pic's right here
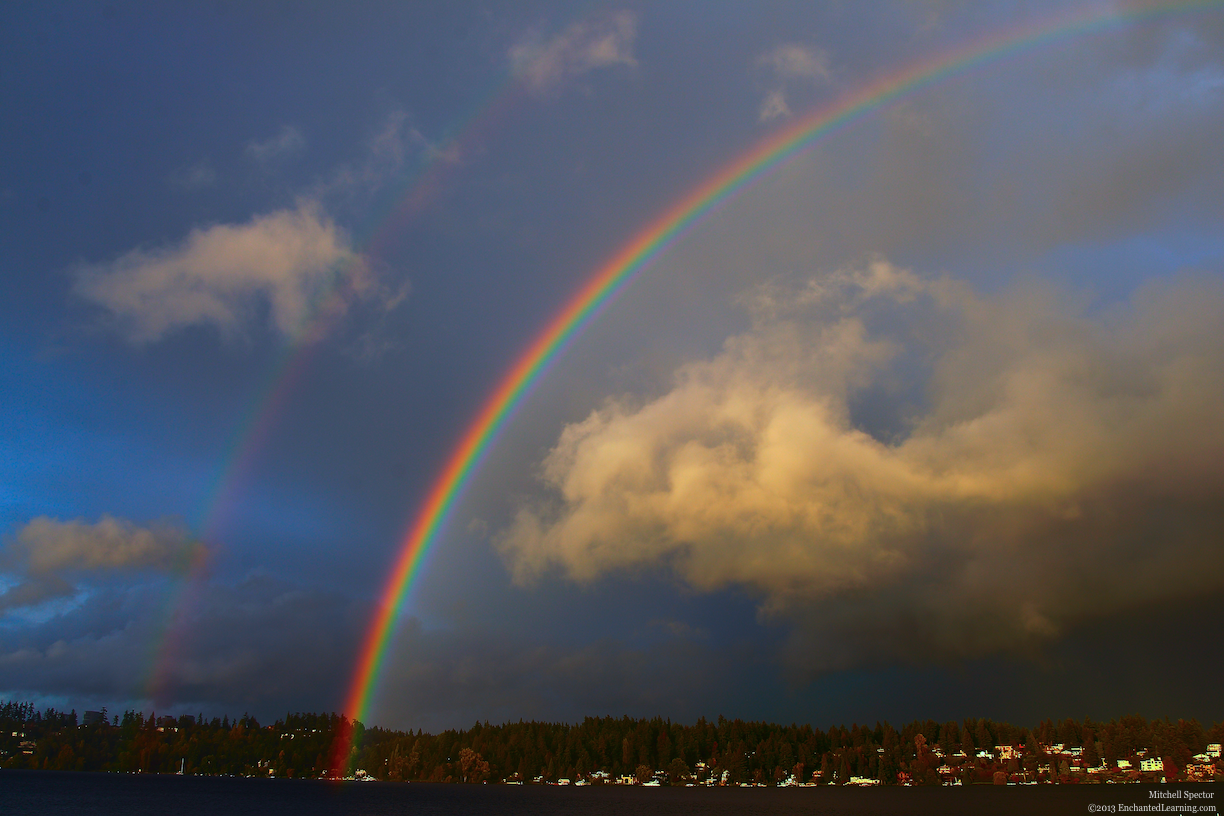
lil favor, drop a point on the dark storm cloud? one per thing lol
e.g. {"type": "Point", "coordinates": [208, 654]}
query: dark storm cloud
{"type": "Point", "coordinates": [260, 645]}
{"type": "Point", "coordinates": [264, 642]}
{"type": "Point", "coordinates": [33, 591]}
{"type": "Point", "coordinates": [266, 646]}
{"type": "Point", "coordinates": [443, 677]}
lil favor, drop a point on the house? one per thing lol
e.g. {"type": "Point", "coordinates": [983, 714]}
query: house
{"type": "Point", "coordinates": [1200, 772]}
{"type": "Point", "coordinates": [1151, 764]}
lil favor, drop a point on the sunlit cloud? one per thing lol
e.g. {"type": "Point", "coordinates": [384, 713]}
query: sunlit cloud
{"type": "Point", "coordinates": [918, 449]}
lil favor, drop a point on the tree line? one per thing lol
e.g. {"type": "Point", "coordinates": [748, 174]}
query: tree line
{"type": "Point", "coordinates": [300, 745]}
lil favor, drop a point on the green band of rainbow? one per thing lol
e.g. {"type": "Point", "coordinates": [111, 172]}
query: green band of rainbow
{"type": "Point", "coordinates": [602, 287]}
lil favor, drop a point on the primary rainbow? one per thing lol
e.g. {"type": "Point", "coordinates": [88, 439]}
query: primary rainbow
{"type": "Point", "coordinates": [609, 280]}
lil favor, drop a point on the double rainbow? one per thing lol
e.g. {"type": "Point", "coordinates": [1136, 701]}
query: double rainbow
{"type": "Point", "coordinates": [620, 271]}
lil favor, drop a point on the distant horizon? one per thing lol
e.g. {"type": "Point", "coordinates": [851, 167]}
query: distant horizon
{"type": "Point", "coordinates": [233, 717]}
{"type": "Point", "coordinates": [622, 751]}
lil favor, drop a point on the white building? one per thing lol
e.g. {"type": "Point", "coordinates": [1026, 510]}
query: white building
{"type": "Point", "coordinates": [1151, 765]}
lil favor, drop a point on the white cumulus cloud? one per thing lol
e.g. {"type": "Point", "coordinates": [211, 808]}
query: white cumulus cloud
{"type": "Point", "coordinates": [219, 275]}
{"type": "Point", "coordinates": [774, 105]}
{"type": "Point", "coordinates": [794, 61]}
{"type": "Point", "coordinates": [791, 64]}
{"type": "Point", "coordinates": [542, 65]}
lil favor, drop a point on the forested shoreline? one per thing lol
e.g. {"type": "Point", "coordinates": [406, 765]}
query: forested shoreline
{"type": "Point", "coordinates": [609, 749]}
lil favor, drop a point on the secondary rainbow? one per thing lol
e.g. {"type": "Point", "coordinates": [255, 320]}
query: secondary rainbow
{"type": "Point", "coordinates": [610, 279]}
{"type": "Point", "coordinates": [326, 311]}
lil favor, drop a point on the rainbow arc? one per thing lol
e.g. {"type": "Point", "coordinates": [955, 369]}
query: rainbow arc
{"type": "Point", "coordinates": [608, 281]}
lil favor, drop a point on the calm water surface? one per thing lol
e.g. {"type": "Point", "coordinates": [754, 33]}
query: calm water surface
{"type": "Point", "coordinates": [49, 793]}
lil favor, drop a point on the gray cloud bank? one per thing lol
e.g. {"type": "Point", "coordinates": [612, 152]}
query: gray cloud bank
{"type": "Point", "coordinates": [47, 553]}
{"type": "Point", "coordinates": [907, 468]}
{"type": "Point", "coordinates": [46, 545]}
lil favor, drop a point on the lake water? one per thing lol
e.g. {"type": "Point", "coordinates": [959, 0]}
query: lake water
{"type": "Point", "coordinates": [50, 793]}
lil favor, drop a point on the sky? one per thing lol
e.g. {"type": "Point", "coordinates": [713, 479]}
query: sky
{"type": "Point", "coordinates": [924, 422]}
